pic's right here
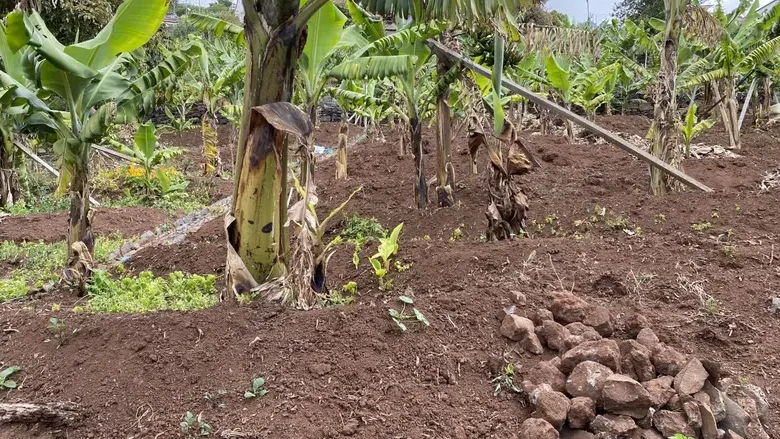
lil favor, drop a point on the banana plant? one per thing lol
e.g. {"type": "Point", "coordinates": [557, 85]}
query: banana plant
{"type": "Point", "coordinates": [87, 78]}
{"type": "Point", "coordinates": [401, 56]}
{"type": "Point", "coordinates": [742, 50]}
{"type": "Point", "coordinates": [325, 30]}
{"type": "Point", "coordinates": [691, 127]}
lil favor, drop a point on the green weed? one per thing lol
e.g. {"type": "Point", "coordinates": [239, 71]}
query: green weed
{"type": "Point", "coordinates": [457, 234]}
{"type": "Point", "coordinates": [359, 230]}
{"type": "Point", "coordinates": [6, 373]}
{"type": "Point", "coordinates": [344, 296]}
{"type": "Point", "coordinates": [258, 389]}
{"type": "Point", "coordinates": [505, 381]}
{"type": "Point", "coordinates": [193, 426]}
{"type": "Point", "coordinates": [402, 318]}
{"type": "Point", "coordinates": [702, 227]}
{"type": "Point", "coordinates": [147, 293]}
{"type": "Point", "coordinates": [40, 263]}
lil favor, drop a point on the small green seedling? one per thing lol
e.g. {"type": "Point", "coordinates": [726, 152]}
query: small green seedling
{"type": "Point", "coordinates": [680, 436]}
{"type": "Point", "coordinates": [193, 426]}
{"type": "Point", "coordinates": [457, 234]}
{"type": "Point", "coordinates": [401, 318]}
{"type": "Point", "coordinates": [701, 227]}
{"type": "Point", "coordinates": [5, 383]}
{"type": "Point", "coordinates": [344, 296]}
{"type": "Point", "coordinates": [388, 247]}
{"type": "Point", "coordinates": [257, 389]}
{"type": "Point", "coordinates": [506, 380]}
{"type": "Point", "coordinates": [691, 127]}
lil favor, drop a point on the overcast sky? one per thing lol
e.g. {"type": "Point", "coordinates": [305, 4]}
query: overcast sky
{"type": "Point", "coordinates": [600, 10]}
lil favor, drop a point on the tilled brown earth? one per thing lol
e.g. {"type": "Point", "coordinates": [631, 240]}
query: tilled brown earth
{"type": "Point", "coordinates": [700, 267]}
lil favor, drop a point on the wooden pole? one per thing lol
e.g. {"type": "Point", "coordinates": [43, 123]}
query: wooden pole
{"type": "Point", "coordinates": [747, 103]}
{"type": "Point", "coordinates": [543, 103]}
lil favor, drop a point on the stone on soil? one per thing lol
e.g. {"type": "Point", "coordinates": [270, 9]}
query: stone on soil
{"type": "Point", "coordinates": [691, 378]}
{"type": "Point", "coordinates": [754, 393]}
{"type": "Point", "coordinates": [692, 413]}
{"type": "Point", "coordinates": [650, 433]}
{"type": "Point", "coordinates": [582, 412]}
{"type": "Point", "coordinates": [667, 360]}
{"type": "Point", "coordinates": [535, 428]}
{"type": "Point", "coordinates": [603, 351]}
{"type": "Point", "coordinates": [553, 407]}
{"type": "Point", "coordinates": [554, 335]}
{"type": "Point", "coordinates": [568, 308]}
{"type": "Point", "coordinates": [623, 396]}
{"type": "Point", "coordinates": [587, 333]}
{"type": "Point", "coordinates": [670, 423]}
{"type": "Point", "coordinates": [613, 426]}
{"type": "Point", "coordinates": [587, 380]}
{"type": "Point", "coordinates": [635, 361]}
{"type": "Point", "coordinates": [709, 426]}
{"type": "Point", "coordinates": [598, 318]}
{"type": "Point", "coordinates": [516, 328]}
{"type": "Point", "coordinates": [542, 314]}
{"type": "Point", "coordinates": [635, 323]}
{"type": "Point", "coordinates": [568, 433]}
{"type": "Point", "coordinates": [546, 372]}
{"type": "Point", "coordinates": [647, 338]}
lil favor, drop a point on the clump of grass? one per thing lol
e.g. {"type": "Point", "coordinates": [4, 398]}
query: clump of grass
{"type": "Point", "coordinates": [147, 293]}
{"type": "Point", "coordinates": [40, 263]}
{"type": "Point", "coordinates": [359, 230]}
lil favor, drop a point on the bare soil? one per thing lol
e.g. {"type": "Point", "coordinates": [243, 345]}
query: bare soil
{"type": "Point", "coordinates": [346, 371]}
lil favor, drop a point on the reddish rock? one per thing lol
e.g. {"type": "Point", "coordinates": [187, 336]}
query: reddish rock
{"type": "Point", "coordinates": [623, 396]}
{"type": "Point", "coordinates": [650, 433]}
{"type": "Point", "coordinates": [553, 407]}
{"type": "Point", "coordinates": [598, 318]}
{"type": "Point", "coordinates": [603, 351]}
{"type": "Point", "coordinates": [553, 334]}
{"type": "Point", "coordinates": [535, 428]}
{"type": "Point", "coordinates": [692, 414]}
{"type": "Point", "coordinates": [635, 361]}
{"type": "Point", "coordinates": [660, 390]}
{"type": "Point", "coordinates": [568, 308]}
{"type": "Point", "coordinates": [613, 426]}
{"type": "Point", "coordinates": [691, 378]}
{"type": "Point", "coordinates": [674, 404]}
{"type": "Point", "coordinates": [516, 328]}
{"type": "Point", "coordinates": [634, 323]}
{"type": "Point", "coordinates": [587, 333]}
{"type": "Point", "coordinates": [545, 372]}
{"type": "Point", "coordinates": [587, 380]}
{"type": "Point", "coordinates": [709, 426]}
{"type": "Point", "coordinates": [582, 412]}
{"type": "Point", "coordinates": [540, 315]}
{"type": "Point", "coordinates": [667, 360]}
{"type": "Point", "coordinates": [532, 344]}
{"type": "Point", "coordinates": [647, 338]}
{"type": "Point", "coordinates": [568, 433]}
{"type": "Point", "coordinates": [670, 423]}
{"type": "Point", "coordinates": [746, 392]}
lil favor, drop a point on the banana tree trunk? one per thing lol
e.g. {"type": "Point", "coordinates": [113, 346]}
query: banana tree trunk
{"type": "Point", "coordinates": [341, 152]}
{"type": "Point", "coordinates": [766, 102]}
{"type": "Point", "coordinates": [665, 136]}
{"type": "Point", "coordinates": [7, 178]}
{"type": "Point", "coordinates": [81, 241]}
{"type": "Point", "coordinates": [257, 234]}
{"type": "Point", "coordinates": [730, 104]}
{"type": "Point", "coordinates": [445, 173]}
{"type": "Point", "coordinates": [569, 129]}
{"type": "Point", "coordinates": [420, 188]}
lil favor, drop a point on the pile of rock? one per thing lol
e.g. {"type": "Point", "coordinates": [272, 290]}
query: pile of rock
{"type": "Point", "coordinates": [639, 388]}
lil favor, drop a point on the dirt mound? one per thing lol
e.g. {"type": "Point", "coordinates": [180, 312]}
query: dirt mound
{"type": "Point", "coordinates": [701, 267]}
{"type": "Point", "coordinates": [53, 227]}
